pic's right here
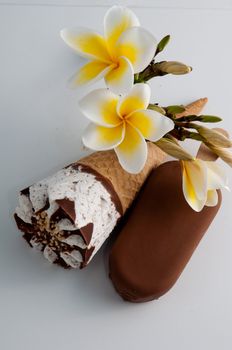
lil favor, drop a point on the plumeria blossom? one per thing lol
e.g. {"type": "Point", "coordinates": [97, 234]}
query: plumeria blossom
{"type": "Point", "coordinates": [201, 179]}
{"type": "Point", "coordinates": [123, 50]}
{"type": "Point", "coordinates": [123, 124]}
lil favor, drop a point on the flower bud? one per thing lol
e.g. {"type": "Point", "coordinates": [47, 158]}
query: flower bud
{"type": "Point", "coordinates": [173, 149]}
{"type": "Point", "coordinates": [223, 153]}
{"type": "Point", "coordinates": [214, 137]}
{"type": "Point", "coordinates": [174, 67]}
{"type": "Point", "coordinates": [162, 44]}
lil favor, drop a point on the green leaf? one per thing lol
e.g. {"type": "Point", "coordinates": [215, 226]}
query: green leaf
{"type": "Point", "coordinates": [156, 108]}
{"type": "Point", "coordinates": [200, 118]}
{"type": "Point", "coordinates": [162, 44]}
{"type": "Point", "coordinates": [209, 119]}
{"type": "Point", "coordinates": [175, 109]}
{"type": "Point", "coordinates": [188, 118]}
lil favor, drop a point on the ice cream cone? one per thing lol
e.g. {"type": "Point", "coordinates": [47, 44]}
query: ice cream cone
{"type": "Point", "coordinates": [194, 108]}
{"type": "Point", "coordinates": [126, 185]}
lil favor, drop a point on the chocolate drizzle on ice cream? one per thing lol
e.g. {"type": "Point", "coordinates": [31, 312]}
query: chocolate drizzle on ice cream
{"type": "Point", "coordinates": [69, 215]}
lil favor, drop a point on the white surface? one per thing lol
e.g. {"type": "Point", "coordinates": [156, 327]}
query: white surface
{"type": "Point", "coordinates": [45, 307]}
{"type": "Point", "coordinates": [189, 4]}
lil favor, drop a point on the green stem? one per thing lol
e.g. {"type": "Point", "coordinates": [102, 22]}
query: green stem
{"type": "Point", "coordinates": [181, 134]}
{"type": "Point", "coordinates": [187, 125]}
{"type": "Point", "coordinates": [148, 73]}
{"type": "Point", "coordinates": [195, 136]}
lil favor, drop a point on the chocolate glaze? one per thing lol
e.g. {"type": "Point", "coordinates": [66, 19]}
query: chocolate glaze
{"type": "Point", "coordinates": [86, 232]}
{"type": "Point", "coordinates": [31, 230]}
{"type": "Point", "coordinates": [68, 207]}
{"type": "Point", "coordinates": [26, 191]}
{"type": "Point", "coordinates": [58, 215]}
{"type": "Point", "coordinates": [159, 237]}
{"type": "Point", "coordinates": [67, 210]}
{"type": "Point", "coordinates": [26, 228]}
{"type": "Point", "coordinates": [86, 253]}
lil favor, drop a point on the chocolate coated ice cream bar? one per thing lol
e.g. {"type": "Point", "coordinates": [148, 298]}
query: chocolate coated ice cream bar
{"type": "Point", "coordinates": [159, 237]}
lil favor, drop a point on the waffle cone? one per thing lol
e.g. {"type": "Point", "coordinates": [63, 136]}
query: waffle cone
{"type": "Point", "coordinates": [127, 185]}
{"type": "Point", "coordinates": [194, 107]}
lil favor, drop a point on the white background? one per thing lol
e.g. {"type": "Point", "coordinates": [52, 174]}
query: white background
{"type": "Point", "coordinates": [43, 306]}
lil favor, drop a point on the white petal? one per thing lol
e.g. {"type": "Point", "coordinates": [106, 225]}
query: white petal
{"type": "Point", "coordinates": [197, 173]}
{"type": "Point", "coordinates": [132, 152]}
{"type": "Point", "coordinates": [212, 198]}
{"type": "Point", "coordinates": [137, 98]}
{"type": "Point", "coordinates": [151, 124]}
{"type": "Point", "coordinates": [100, 106]}
{"type": "Point", "coordinates": [91, 72]}
{"type": "Point", "coordinates": [117, 20]}
{"type": "Point", "coordinates": [216, 177]}
{"type": "Point", "coordinates": [100, 138]}
{"type": "Point", "coordinates": [189, 191]}
{"type": "Point", "coordinates": [121, 78]}
{"type": "Point", "coordinates": [86, 43]}
{"type": "Point", "coordinates": [138, 45]}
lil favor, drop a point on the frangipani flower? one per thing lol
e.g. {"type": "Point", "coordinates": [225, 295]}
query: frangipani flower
{"type": "Point", "coordinates": [123, 124]}
{"type": "Point", "coordinates": [201, 179]}
{"type": "Point", "coordinates": [125, 49]}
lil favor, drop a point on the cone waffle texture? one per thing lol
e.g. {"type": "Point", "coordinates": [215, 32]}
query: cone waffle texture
{"type": "Point", "coordinates": [194, 108]}
{"type": "Point", "coordinates": [126, 185]}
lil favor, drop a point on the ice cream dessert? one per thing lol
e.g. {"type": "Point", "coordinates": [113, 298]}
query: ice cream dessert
{"type": "Point", "coordinates": [153, 247]}
{"type": "Point", "coordinates": [159, 236]}
{"type": "Point", "coordinates": [69, 215]}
